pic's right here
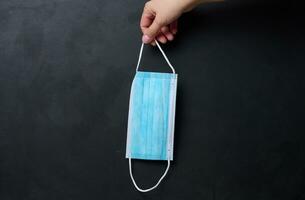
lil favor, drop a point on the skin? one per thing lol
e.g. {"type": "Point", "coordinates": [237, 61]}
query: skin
{"type": "Point", "coordinates": [159, 18]}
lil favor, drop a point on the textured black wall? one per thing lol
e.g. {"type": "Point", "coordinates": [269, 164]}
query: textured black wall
{"type": "Point", "coordinates": [65, 72]}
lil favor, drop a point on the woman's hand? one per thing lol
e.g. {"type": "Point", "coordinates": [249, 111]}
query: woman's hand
{"type": "Point", "coordinates": [159, 18]}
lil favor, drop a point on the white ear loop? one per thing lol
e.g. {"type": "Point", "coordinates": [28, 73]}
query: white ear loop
{"type": "Point", "coordinates": [155, 186]}
{"type": "Point", "coordinates": [140, 56]}
{"type": "Point", "coordinates": [168, 161]}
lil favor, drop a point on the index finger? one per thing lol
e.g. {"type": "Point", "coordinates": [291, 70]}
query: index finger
{"type": "Point", "coordinates": [146, 19]}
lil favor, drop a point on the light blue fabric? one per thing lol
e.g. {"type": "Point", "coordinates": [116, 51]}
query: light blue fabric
{"type": "Point", "coordinates": [151, 116]}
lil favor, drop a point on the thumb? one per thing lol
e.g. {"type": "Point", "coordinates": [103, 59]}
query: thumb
{"type": "Point", "coordinates": [152, 31]}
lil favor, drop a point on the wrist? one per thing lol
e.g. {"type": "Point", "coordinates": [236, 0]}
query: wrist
{"type": "Point", "coordinates": [191, 4]}
{"type": "Point", "coordinates": [188, 5]}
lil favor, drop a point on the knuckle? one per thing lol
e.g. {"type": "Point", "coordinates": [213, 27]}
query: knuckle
{"type": "Point", "coordinates": [147, 5]}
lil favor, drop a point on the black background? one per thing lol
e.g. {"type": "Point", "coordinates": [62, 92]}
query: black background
{"type": "Point", "coordinates": [65, 74]}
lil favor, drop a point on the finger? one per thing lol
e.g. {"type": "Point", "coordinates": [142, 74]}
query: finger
{"type": "Point", "coordinates": [152, 31]}
{"type": "Point", "coordinates": [174, 27]}
{"type": "Point", "coordinates": [161, 38]}
{"type": "Point", "coordinates": [165, 30]}
{"type": "Point", "coordinates": [146, 19]}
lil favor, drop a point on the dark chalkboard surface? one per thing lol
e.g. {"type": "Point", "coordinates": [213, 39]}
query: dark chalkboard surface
{"type": "Point", "coordinates": [66, 69]}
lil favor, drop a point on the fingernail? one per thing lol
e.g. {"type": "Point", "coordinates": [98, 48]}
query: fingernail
{"type": "Point", "coordinates": [145, 39]}
{"type": "Point", "coordinates": [170, 37]}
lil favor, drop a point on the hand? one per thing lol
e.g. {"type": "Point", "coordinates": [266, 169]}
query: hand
{"type": "Point", "coordinates": [159, 18]}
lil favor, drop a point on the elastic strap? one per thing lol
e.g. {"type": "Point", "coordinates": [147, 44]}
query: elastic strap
{"type": "Point", "coordinates": [156, 185]}
{"type": "Point", "coordinates": [140, 56]}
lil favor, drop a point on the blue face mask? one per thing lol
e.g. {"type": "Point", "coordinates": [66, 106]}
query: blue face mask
{"type": "Point", "coordinates": [151, 119]}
